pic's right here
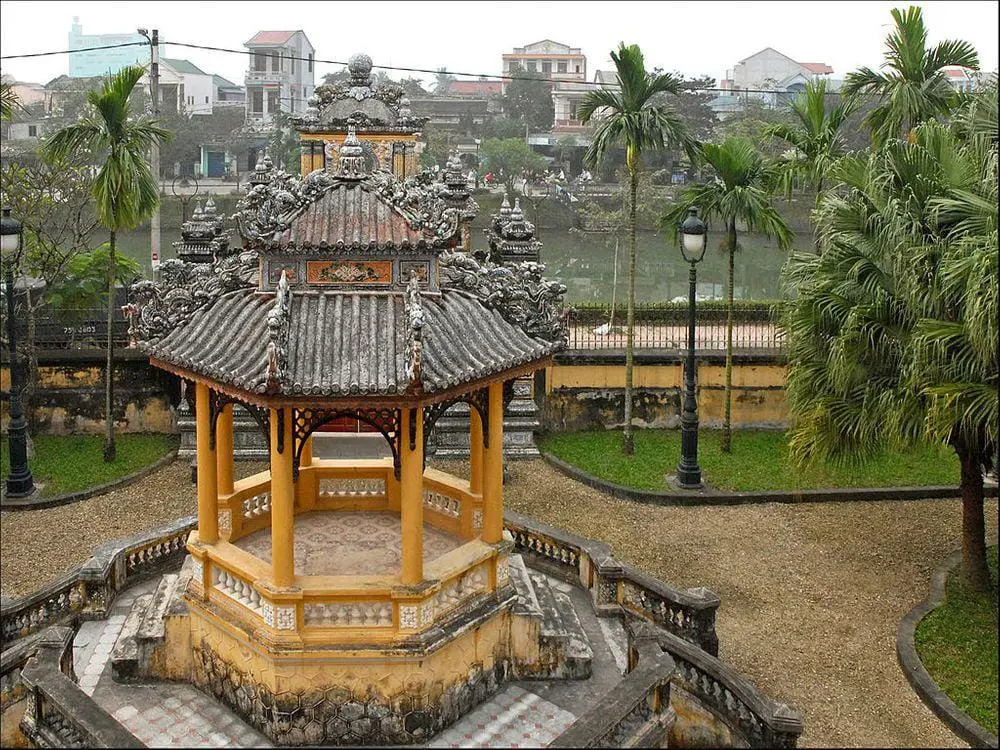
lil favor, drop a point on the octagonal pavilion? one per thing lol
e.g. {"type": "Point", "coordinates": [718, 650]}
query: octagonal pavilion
{"type": "Point", "coordinates": [377, 577]}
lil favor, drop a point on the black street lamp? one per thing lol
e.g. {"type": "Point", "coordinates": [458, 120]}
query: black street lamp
{"type": "Point", "coordinates": [694, 238]}
{"type": "Point", "coordinates": [19, 482]}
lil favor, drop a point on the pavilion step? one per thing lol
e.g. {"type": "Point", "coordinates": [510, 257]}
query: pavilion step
{"type": "Point", "coordinates": [152, 629]}
{"type": "Point", "coordinates": [125, 654]}
{"type": "Point", "coordinates": [565, 651]}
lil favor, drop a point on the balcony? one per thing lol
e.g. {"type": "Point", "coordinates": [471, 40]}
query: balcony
{"type": "Point", "coordinates": [265, 76]}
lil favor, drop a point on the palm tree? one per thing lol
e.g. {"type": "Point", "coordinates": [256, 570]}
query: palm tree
{"type": "Point", "coordinates": [816, 135]}
{"type": "Point", "coordinates": [9, 101]}
{"type": "Point", "coordinates": [893, 332]}
{"type": "Point", "coordinates": [740, 191]}
{"type": "Point", "coordinates": [913, 87]}
{"type": "Point", "coordinates": [125, 191]}
{"type": "Point", "coordinates": [627, 115]}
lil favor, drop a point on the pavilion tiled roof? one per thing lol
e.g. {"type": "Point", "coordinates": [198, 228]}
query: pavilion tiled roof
{"type": "Point", "coordinates": [349, 215]}
{"type": "Point", "coordinates": [270, 37]}
{"type": "Point", "coordinates": [349, 343]}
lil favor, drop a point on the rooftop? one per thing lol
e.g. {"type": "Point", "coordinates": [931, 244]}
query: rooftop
{"type": "Point", "coordinates": [270, 37]}
{"type": "Point", "coordinates": [183, 66]}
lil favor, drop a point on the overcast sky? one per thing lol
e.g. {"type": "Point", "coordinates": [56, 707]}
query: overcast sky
{"type": "Point", "coordinates": [695, 38]}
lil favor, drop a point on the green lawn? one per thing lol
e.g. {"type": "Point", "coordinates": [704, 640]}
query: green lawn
{"type": "Point", "coordinates": [67, 463]}
{"type": "Point", "coordinates": [957, 643]}
{"type": "Point", "coordinates": [758, 462]}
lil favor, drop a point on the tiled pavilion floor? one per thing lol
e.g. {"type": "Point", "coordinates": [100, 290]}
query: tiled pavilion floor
{"type": "Point", "coordinates": [174, 715]}
{"type": "Point", "coordinates": [349, 543]}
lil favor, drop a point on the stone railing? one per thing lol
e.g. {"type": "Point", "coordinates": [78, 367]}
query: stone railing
{"type": "Point", "coordinates": [57, 712]}
{"type": "Point", "coordinates": [637, 712]}
{"type": "Point", "coordinates": [87, 591]}
{"type": "Point", "coordinates": [615, 585]}
{"type": "Point", "coordinates": [755, 718]}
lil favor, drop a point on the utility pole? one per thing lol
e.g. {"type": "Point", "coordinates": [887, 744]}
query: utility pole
{"type": "Point", "coordinates": [154, 157]}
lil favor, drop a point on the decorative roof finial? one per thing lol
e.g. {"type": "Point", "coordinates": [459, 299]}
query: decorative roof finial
{"type": "Point", "coordinates": [352, 155]}
{"type": "Point", "coordinates": [197, 214]}
{"type": "Point", "coordinates": [517, 214]}
{"type": "Point", "coordinates": [210, 209]}
{"type": "Point", "coordinates": [505, 206]}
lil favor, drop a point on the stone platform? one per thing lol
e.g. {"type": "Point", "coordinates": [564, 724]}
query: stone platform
{"type": "Point", "coordinates": [528, 713]}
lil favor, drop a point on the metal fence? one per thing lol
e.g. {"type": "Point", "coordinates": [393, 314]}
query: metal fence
{"type": "Point", "coordinates": [665, 326]}
{"type": "Point", "coordinates": [75, 329]}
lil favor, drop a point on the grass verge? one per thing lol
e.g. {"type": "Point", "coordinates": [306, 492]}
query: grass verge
{"type": "Point", "coordinates": [69, 463]}
{"type": "Point", "coordinates": [957, 643]}
{"type": "Point", "coordinates": [758, 463]}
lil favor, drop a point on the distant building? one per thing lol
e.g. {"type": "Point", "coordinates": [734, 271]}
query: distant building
{"type": "Point", "coordinates": [191, 89]}
{"type": "Point", "coordinates": [771, 71]}
{"type": "Point", "coordinates": [228, 94]}
{"type": "Point", "coordinates": [554, 60]}
{"type": "Point", "coordinates": [281, 75]}
{"type": "Point", "coordinates": [480, 89]}
{"type": "Point", "coordinates": [99, 61]}
{"type": "Point", "coordinates": [961, 79]}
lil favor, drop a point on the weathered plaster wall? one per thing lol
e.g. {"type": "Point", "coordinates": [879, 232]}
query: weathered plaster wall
{"type": "Point", "coordinates": [588, 392]}
{"type": "Point", "coordinates": [70, 396]}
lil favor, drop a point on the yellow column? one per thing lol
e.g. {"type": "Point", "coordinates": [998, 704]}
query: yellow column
{"type": "Point", "coordinates": [493, 470]}
{"type": "Point", "coordinates": [224, 449]}
{"type": "Point", "coordinates": [282, 503]}
{"type": "Point", "coordinates": [475, 451]}
{"type": "Point", "coordinates": [208, 491]}
{"type": "Point", "coordinates": [306, 488]}
{"type": "Point", "coordinates": [411, 511]}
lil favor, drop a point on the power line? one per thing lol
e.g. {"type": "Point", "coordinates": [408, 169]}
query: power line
{"type": "Point", "coordinates": [71, 51]}
{"type": "Point", "coordinates": [480, 77]}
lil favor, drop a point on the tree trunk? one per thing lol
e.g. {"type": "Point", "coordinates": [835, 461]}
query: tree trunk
{"type": "Point", "coordinates": [628, 444]}
{"type": "Point", "coordinates": [974, 567]}
{"type": "Point", "coordinates": [109, 368]}
{"type": "Point", "coordinates": [727, 425]}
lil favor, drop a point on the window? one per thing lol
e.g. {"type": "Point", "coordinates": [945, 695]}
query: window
{"type": "Point", "coordinates": [291, 65]}
{"type": "Point", "coordinates": [32, 131]}
{"type": "Point", "coordinates": [275, 62]}
{"type": "Point", "coordinates": [561, 66]}
{"type": "Point", "coordinates": [259, 61]}
{"type": "Point", "coordinates": [206, 100]}
{"type": "Point", "coordinates": [272, 101]}
{"type": "Point", "coordinates": [257, 101]}
{"type": "Point", "coordinates": [310, 62]}
{"type": "Point", "coordinates": [529, 65]}
{"type": "Point", "coordinates": [577, 68]}
{"type": "Point", "coordinates": [547, 68]}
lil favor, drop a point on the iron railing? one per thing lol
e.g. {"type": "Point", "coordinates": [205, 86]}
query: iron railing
{"type": "Point", "coordinates": [663, 327]}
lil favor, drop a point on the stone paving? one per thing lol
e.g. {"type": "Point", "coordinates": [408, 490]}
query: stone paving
{"type": "Point", "coordinates": [175, 715]}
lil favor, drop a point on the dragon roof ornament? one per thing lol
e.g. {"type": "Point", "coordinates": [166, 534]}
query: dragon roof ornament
{"type": "Point", "coordinates": [414, 331]}
{"type": "Point", "coordinates": [158, 307]}
{"type": "Point", "coordinates": [518, 292]}
{"type": "Point", "coordinates": [277, 334]}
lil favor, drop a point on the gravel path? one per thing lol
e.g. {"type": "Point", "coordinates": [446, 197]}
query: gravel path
{"type": "Point", "coordinates": [811, 594]}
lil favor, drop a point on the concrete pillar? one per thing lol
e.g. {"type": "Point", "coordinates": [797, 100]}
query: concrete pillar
{"type": "Point", "coordinates": [411, 511]}
{"type": "Point", "coordinates": [282, 502]}
{"type": "Point", "coordinates": [208, 491]}
{"type": "Point", "coordinates": [493, 469]}
{"type": "Point", "coordinates": [224, 449]}
{"type": "Point", "coordinates": [475, 451]}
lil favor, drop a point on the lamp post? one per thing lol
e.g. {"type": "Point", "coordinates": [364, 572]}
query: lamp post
{"type": "Point", "coordinates": [20, 483]}
{"type": "Point", "coordinates": [154, 154]}
{"type": "Point", "coordinates": [478, 163]}
{"type": "Point", "coordinates": [694, 238]}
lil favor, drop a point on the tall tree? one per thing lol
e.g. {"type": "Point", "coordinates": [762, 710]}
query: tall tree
{"type": "Point", "coordinates": [628, 116]}
{"type": "Point", "coordinates": [528, 99]}
{"type": "Point", "coordinates": [816, 135]}
{"type": "Point", "coordinates": [442, 82]}
{"type": "Point", "coordinates": [739, 191]}
{"type": "Point", "coordinates": [509, 158]}
{"type": "Point", "coordinates": [893, 331]}
{"type": "Point", "coordinates": [125, 191]}
{"type": "Point", "coordinates": [913, 87]}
